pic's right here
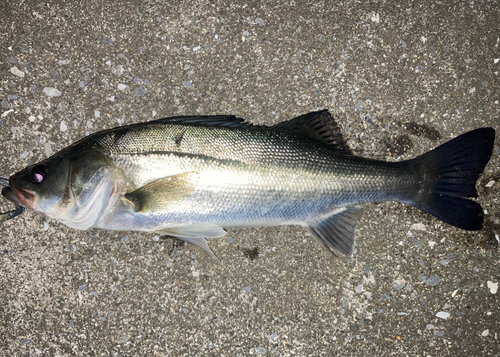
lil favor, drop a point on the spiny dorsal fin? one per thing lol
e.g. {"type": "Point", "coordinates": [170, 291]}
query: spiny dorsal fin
{"type": "Point", "coordinates": [318, 126]}
{"type": "Point", "coordinates": [227, 121]}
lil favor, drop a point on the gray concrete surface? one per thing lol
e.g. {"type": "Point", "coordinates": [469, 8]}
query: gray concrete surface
{"type": "Point", "coordinates": [400, 78]}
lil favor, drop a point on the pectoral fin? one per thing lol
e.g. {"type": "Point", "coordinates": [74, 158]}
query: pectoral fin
{"type": "Point", "coordinates": [160, 194]}
{"type": "Point", "coordinates": [197, 235]}
{"type": "Point", "coordinates": [336, 232]}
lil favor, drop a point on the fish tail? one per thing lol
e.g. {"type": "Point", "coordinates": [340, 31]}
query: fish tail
{"type": "Point", "coordinates": [450, 173]}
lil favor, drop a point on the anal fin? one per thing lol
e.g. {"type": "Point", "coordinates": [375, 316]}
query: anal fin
{"type": "Point", "coordinates": [336, 232]}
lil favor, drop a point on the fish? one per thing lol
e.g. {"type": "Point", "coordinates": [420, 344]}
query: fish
{"type": "Point", "coordinates": [193, 177]}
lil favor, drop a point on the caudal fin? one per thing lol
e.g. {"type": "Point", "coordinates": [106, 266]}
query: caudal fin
{"type": "Point", "coordinates": [450, 172]}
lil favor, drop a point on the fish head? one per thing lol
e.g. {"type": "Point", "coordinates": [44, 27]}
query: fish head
{"type": "Point", "coordinates": [38, 186]}
{"type": "Point", "coordinates": [72, 188]}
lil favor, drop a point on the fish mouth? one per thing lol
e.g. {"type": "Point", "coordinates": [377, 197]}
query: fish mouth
{"type": "Point", "coordinates": [9, 194]}
{"type": "Point", "coordinates": [26, 197]}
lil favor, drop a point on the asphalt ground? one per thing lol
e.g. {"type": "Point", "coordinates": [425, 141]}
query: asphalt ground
{"type": "Point", "coordinates": [400, 78]}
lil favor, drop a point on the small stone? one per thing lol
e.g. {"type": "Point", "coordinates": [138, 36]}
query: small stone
{"type": "Point", "coordinates": [443, 315]}
{"type": "Point", "coordinates": [81, 288]}
{"type": "Point", "coordinates": [48, 148]}
{"type": "Point", "coordinates": [122, 86]}
{"type": "Point", "coordinates": [63, 126]}
{"type": "Point", "coordinates": [97, 113]}
{"type": "Point", "coordinates": [187, 84]}
{"type": "Point", "coordinates": [259, 21]}
{"type": "Point", "coordinates": [17, 72]}
{"type": "Point", "coordinates": [398, 285]}
{"type": "Point", "coordinates": [261, 350]}
{"type": "Point", "coordinates": [359, 288]}
{"type": "Point", "coordinates": [496, 60]}
{"type": "Point", "coordinates": [417, 242]}
{"type": "Point", "coordinates": [196, 48]}
{"type": "Point", "coordinates": [492, 286]}
{"type": "Point", "coordinates": [433, 280]}
{"type": "Point", "coordinates": [490, 184]}
{"type": "Point", "coordinates": [52, 92]}
{"type": "Point", "coordinates": [418, 227]}
{"type": "Point", "coordinates": [140, 92]}
{"type": "Point", "coordinates": [359, 105]}
{"type": "Point", "coordinates": [485, 333]}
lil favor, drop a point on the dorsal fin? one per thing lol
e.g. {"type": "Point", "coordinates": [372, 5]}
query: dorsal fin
{"type": "Point", "coordinates": [227, 121]}
{"type": "Point", "coordinates": [318, 126]}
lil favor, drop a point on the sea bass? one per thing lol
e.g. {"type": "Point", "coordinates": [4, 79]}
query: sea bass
{"type": "Point", "coordinates": [191, 177]}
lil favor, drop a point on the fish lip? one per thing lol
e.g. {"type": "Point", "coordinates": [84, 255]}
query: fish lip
{"type": "Point", "coordinates": [9, 194]}
{"type": "Point", "coordinates": [26, 198]}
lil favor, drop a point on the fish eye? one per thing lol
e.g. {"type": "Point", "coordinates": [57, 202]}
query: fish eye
{"type": "Point", "coordinates": [38, 173]}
